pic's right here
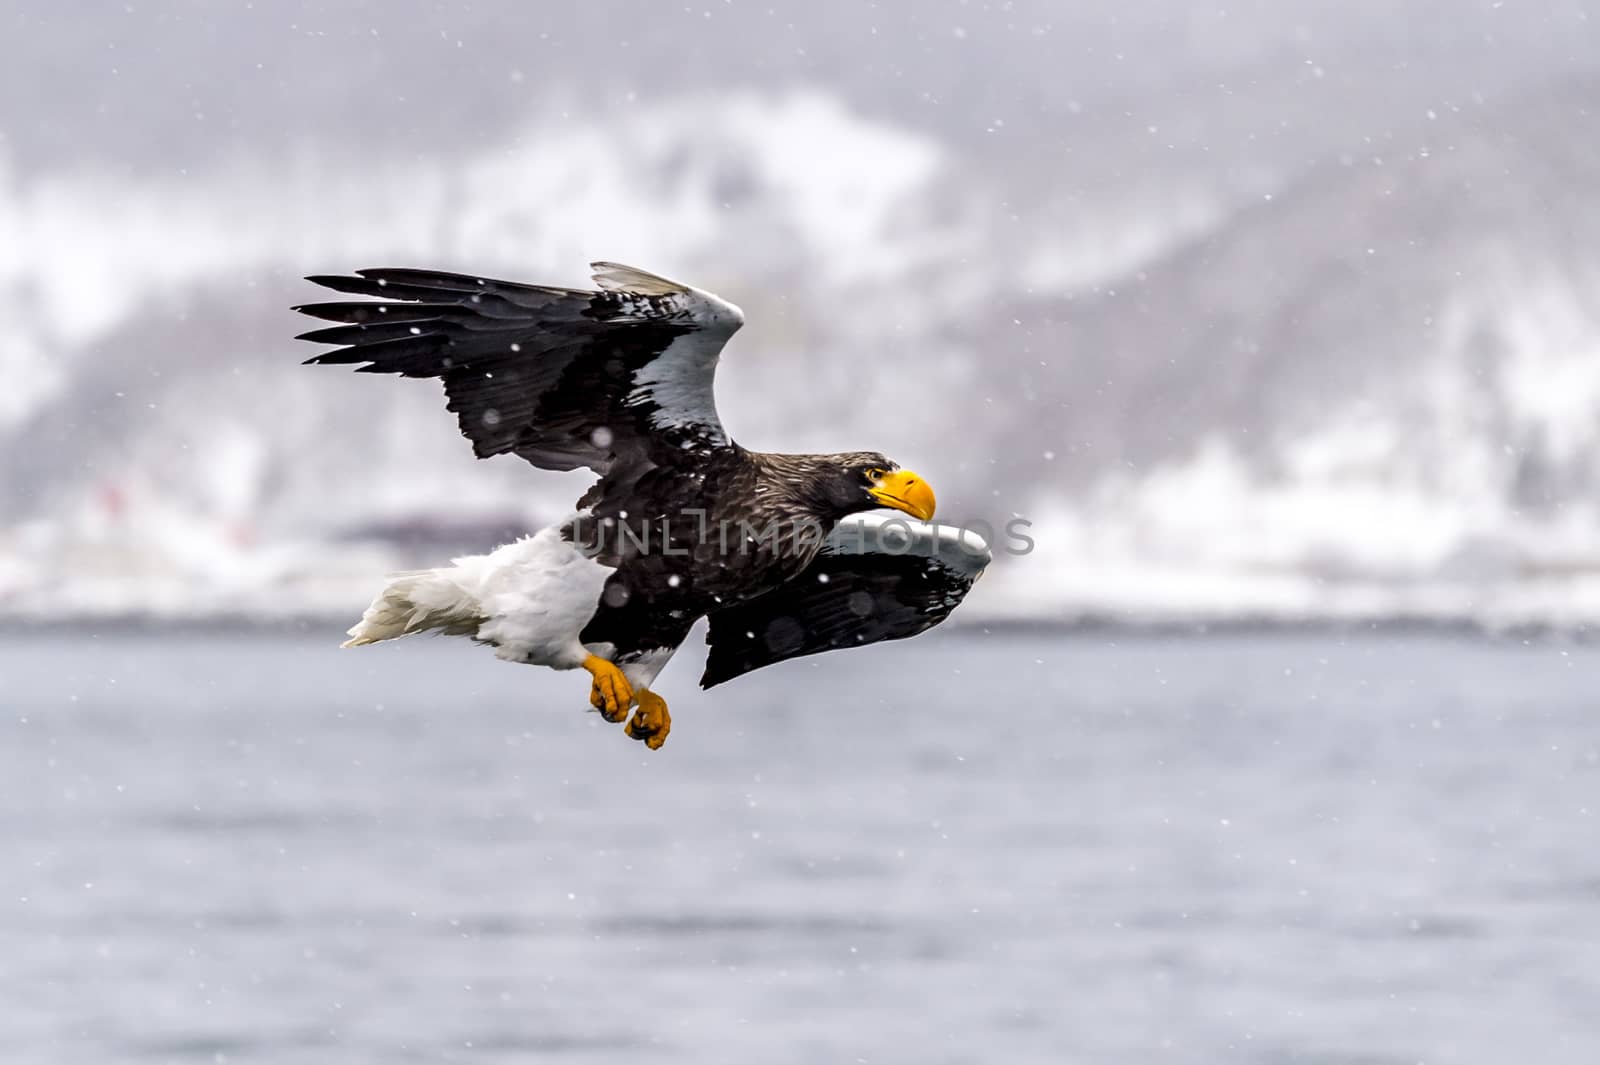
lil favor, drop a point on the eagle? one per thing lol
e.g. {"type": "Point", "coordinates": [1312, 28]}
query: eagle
{"type": "Point", "coordinates": [777, 551]}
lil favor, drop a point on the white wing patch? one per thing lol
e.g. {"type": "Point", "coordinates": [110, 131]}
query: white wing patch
{"type": "Point", "coordinates": [615, 277]}
{"type": "Point", "coordinates": [679, 380]}
{"type": "Point", "coordinates": [959, 549]}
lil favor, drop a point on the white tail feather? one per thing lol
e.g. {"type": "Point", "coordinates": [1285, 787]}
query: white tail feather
{"type": "Point", "coordinates": [418, 602]}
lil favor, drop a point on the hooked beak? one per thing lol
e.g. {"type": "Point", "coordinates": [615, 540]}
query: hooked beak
{"type": "Point", "coordinates": [904, 490]}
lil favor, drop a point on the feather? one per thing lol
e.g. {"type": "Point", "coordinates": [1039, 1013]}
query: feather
{"type": "Point", "coordinates": [875, 579]}
{"type": "Point", "coordinates": [561, 377]}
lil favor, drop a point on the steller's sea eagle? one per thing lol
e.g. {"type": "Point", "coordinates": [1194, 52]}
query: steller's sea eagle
{"type": "Point", "coordinates": [683, 522]}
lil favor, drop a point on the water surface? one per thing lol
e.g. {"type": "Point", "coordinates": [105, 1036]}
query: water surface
{"type": "Point", "coordinates": [964, 848]}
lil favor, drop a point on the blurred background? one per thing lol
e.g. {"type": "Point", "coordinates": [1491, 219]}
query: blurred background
{"type": "Point", "coordinates": [1279, 309]}
{"type": "Point", "coordinates": [1279, 321]}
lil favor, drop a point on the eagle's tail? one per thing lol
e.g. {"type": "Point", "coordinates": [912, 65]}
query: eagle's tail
{"type": "Point", "coordinates": [420, 601]}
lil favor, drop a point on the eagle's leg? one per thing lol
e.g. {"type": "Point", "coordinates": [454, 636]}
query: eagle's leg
{"type": "Point", "coordinates": [610, 694]}
{"type": "Point", "coordinates": [651, 722]}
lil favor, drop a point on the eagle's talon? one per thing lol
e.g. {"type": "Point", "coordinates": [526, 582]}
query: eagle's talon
{"type": "Point", "coordinates": [605, 701]}
{"type": "Point", "coordinates": [651, 722]}
{"type": "Point", "coordinates": [610, 693]}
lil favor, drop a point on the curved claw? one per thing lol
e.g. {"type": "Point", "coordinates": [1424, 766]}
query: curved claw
{"type": "Point", "coordinates": [651, 722]}
{"type": "Point", "coordinates": [610, 693]}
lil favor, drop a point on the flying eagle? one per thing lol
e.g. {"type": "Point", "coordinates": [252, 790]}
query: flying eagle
{"type": "Point", "coordinates": [683, 523]}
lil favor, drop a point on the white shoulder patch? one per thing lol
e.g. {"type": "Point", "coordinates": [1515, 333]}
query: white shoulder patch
{"type": "Point", "coordinates": [678, 381]}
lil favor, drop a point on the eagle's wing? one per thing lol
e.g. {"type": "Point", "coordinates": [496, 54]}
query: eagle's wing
{"type": "Point", "coordinates": [876, 578]}
{"type": "Point", "coordinates": [562, 377]}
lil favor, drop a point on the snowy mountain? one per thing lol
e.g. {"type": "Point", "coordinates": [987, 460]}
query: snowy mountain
{"type": "Point", "coordinates": [1375, 391]}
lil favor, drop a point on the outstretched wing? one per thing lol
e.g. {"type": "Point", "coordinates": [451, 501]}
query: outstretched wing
{"type": "Point", "coordinates": [876, 578]}
{"type": "Point", "coordinates": [562, 377]}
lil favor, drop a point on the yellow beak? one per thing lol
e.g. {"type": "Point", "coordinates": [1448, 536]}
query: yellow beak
{"type": "Point", "coordinates": [904, 490]}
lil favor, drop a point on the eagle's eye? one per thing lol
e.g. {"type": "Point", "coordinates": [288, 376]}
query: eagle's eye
{"type": "Point", "coordinates": [875, 474]}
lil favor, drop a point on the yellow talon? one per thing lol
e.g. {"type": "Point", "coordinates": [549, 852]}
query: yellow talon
{"type": "Point", "coordinates": [610, 693]}
{"type": "Point", "coordinates": [651, 722]}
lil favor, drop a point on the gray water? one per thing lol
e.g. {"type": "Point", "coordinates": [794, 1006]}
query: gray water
{"type": "Point", "coordinates": [959, 849]}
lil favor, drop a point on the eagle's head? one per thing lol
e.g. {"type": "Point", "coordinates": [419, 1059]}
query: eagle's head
{"type": "Point", "coordinates": [865, 480]}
